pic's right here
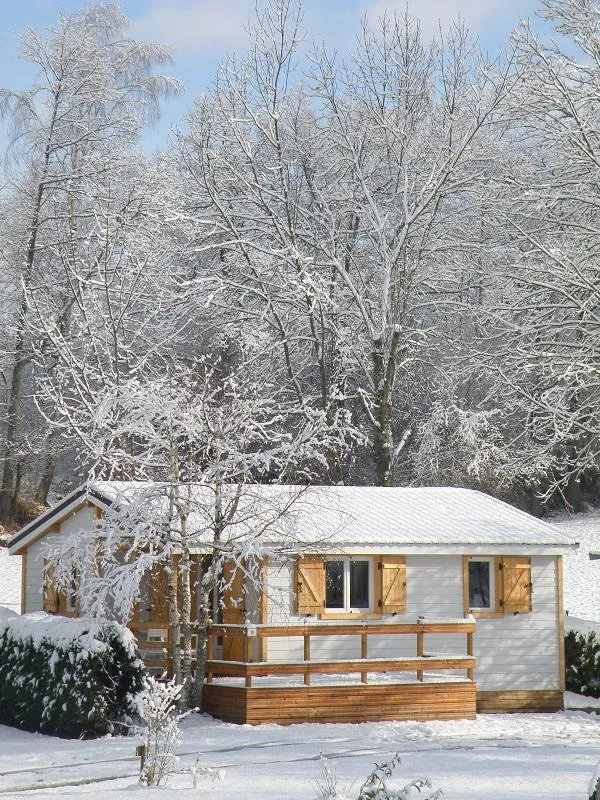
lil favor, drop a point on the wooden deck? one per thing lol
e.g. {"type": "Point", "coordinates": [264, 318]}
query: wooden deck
{"type": "Point", "coordinates": [355, 690]}
{"type": "Point", "coordinates": [360, 703]}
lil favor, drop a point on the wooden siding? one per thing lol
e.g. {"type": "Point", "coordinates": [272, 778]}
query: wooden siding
{"type": "Point", "coordinates": [530, 700]}
{"type": "Point", "coordinates": [370, 703]}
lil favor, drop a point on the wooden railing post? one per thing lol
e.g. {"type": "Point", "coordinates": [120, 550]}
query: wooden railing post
{"type": "Point", "coordinates": [470, 652]}
{"type": "Point", "coordinates": [209, 653]}
{"type": "Point", "coordinates": [363, 654]}
{"type": "Point", "coordinates": [420, 650]}
{"type": "Point", "coordinates": [306, 657]}
{"type": "Point", "coordinates": [248, 653]}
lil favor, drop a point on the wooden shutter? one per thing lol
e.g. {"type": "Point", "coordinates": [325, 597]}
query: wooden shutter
{"type": "Point", "coordinates": [234, 602]}
{"type": "Point", "coordinates": [51, 600]}
{"type": "Point", "coordinates": [156, 598]}
{"type": "Point", "coordinates": [516, 594]}
{"type": "Point", "coordinates": [310, 585]}
{"type": "Point", "coordinates": [392, 584]}
{"type": "Point", "coordinates": [234, 610]}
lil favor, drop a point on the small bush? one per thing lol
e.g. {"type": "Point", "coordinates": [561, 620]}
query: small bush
{"type": "Point", "coordinates": [157, 706]}
{"type": "Point", "coordinates": [582, 662]}
{"type": "Point", "coordinates": [67, 677]}
{"type": "Point", "coordinates": [375, 786]}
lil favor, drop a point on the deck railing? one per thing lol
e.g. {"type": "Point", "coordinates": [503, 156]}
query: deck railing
{"type": "Point", "coordinates": [423, 661]}
{"type": "Point", "coordinates": [154, 644]}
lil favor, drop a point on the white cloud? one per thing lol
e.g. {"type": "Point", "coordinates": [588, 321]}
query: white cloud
{"type": "Point", "coordinates": [193, 26]}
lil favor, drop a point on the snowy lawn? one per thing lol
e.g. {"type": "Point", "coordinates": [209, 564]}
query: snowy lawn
{"type": "Point", "coordinates": [581, 575]}
{"type": "Point", "coordinates": [514, 756]}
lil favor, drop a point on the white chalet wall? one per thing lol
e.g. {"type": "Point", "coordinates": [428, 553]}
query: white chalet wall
{"type": "Point", "coordinates": [82, 519]}
{"type": "Point", "coordinates": [521, 652]}
{"type": "Point", "coordinates": [513, 652]}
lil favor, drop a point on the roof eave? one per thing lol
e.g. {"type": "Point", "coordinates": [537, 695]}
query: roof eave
{"type": "Point", "coordinates": [37, 527]}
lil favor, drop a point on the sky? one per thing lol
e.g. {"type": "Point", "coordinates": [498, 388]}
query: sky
{"type": "Point", "coordinates": [202, 32]}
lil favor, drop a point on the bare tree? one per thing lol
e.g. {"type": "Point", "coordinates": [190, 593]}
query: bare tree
{"type": "Point", "coordinates": [548, 362]}
{"type": "Point", "coordinates": [336, 207]}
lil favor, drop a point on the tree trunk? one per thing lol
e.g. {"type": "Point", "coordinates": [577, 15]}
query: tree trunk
{"type": "Point", "coordinates": [45, 482]}
{"type": "Point", "coordinates": [384, 379]}
{"type": "Point", "coordinates": [174, 622]}
{"type": "Point", "coordinates": [186, 624]}
{"type": "Point", "coordinates": [8, 490]}
{"type": "Point", "coordinates": [204, 608]}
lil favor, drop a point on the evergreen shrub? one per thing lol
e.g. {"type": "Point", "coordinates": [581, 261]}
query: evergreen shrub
{"type": "Point", "coordinates": [582, 663]}
{"type": "Point", "coordinates": [67, 677]}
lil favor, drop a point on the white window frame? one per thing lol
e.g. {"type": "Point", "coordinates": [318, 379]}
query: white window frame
{"type": "Point", "coordinates": [492, 590]}
{"type": "Point", "coordinates": [348, 609]}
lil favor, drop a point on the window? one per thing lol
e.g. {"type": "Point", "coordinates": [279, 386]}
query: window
{"type": "Point", "coordinates": [498, 585]}
{"type": "Point", "coordinates": [348, 584]}
{"type": "Point", "coordinates": [481, 584]}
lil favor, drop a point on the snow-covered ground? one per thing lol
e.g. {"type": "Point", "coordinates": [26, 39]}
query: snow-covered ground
{"type": "Point", "coordinates": [581, 575]}
{"type": "Point", "coordinates": [10, 580]}
{"type": "Point", "coordinates": [500, 757]}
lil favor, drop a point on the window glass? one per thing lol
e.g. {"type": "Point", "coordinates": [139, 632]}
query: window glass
{"type": "Point", "coordinates": [359, 584]}
{"type": "Point", "coordinates": [479, 584]}
{"type": "Point", "coordinates": [334, 584]}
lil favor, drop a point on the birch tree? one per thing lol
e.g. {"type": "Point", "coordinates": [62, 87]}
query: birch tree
{"type": "Point", "coordinates": [198, 445]}
{"type": "Point", "coordinates": [95, 87]}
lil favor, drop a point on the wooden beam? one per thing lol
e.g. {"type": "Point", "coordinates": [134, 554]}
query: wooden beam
{"type": "Point", "coordinates": [560, 612]}
{"type": "Point", "coordinates": [364, 654]}
{"type": "Point", "coordinates": [263, 607]}
{"type": "Point", "coordinates": [307, 658]}
{"type": "Point", "coordinates": [420, 652]}
{"type": "Point", "coordinates": [429, 663]}
{"type": "Point", "coordinates": [470, 652]}
{"type": "Point", "coordinates": [24, 582]}
{"type": "Point", "coordinates": [339, 629]}
{"type": "Point", "coordinates": [465, 582]}
{"type": "Point", "coordinates": [209, 654]}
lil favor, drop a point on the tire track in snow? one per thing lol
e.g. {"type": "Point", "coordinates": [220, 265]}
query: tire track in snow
{"type": "Point", "coordinates": [332, 756]}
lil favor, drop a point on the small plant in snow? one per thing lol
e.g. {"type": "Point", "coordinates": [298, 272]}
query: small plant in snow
{"type": "Point", "coordinates": [198, 771]}
{"type": "Point", "coordinates": [326, 784]}
{"type": "Point", "coordinates": [594, 784]}
{"type": "Point", "coordinates": [375, 787]}
{"type": "Point", "coordinates": [157, 706]}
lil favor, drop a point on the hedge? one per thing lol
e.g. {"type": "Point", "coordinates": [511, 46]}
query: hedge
{"type": "Point", "coordinates": [67, 677]}
{"type": "Point", "coordinates": [582, 662]}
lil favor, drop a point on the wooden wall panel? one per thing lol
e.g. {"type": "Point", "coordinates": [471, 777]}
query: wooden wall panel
{"type": "Point", "coordinates": [511, 701]}
{"type": "Point", "coordinates": [371, 703]}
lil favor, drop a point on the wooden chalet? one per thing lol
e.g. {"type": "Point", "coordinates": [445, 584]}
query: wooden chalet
{"type": "Point", "coordinates": [424, 603]}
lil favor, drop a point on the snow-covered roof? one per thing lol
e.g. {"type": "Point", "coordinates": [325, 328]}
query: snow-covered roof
{"type": "Point", "coordinates": [356, 518]}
